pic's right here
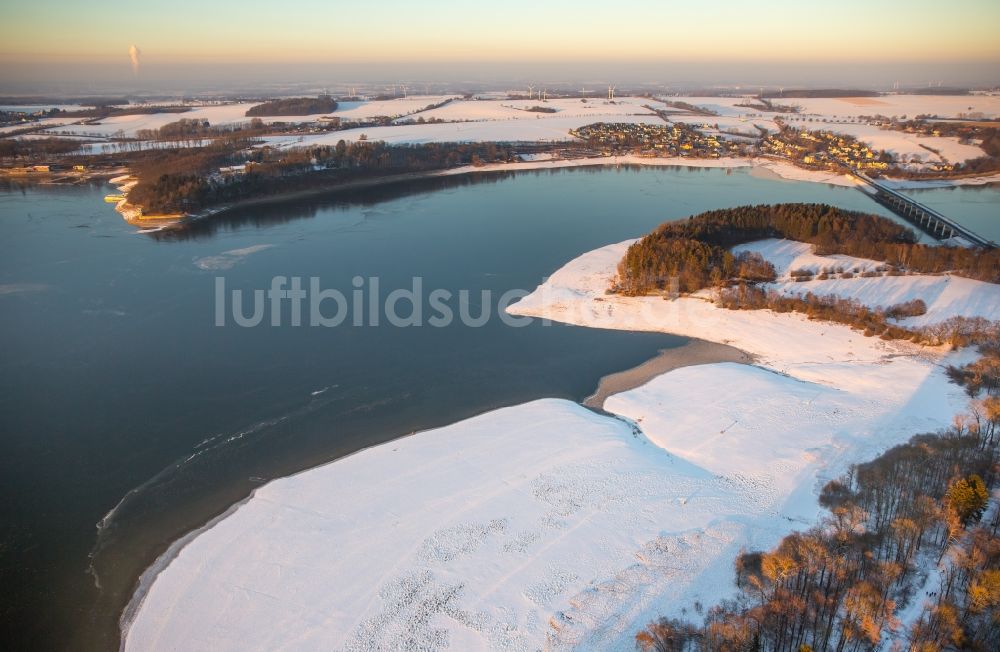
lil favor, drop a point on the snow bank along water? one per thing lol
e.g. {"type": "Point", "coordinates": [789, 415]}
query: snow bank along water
{"type": "Point", "coordinates": [546, 524]}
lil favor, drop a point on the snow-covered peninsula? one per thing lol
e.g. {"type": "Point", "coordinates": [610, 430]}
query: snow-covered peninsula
{"type": "Point", "coordinates": [547, 525]}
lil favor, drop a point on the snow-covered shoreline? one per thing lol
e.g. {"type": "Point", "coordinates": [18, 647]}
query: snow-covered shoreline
{"type": "Point", "coordinates": [545, 524]}
{"type": "Point", "coordinates": [779, 169]}
{"type": "Point", "coordinates": [768, 167]}
{"type": "Point", "coordinates": [764, 167]}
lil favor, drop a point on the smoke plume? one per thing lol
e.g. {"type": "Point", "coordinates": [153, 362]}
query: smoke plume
{"type": "Point", "coordinates": [133, 54]}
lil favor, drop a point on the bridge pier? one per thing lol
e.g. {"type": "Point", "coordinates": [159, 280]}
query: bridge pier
{"type": "Point", "coordinates": [934, 224]}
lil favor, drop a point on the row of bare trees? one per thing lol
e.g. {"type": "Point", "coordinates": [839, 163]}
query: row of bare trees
{"type": "Point", "coordinates": [839, 586]}
{"type": "Point", "coordinates": [955, 331]}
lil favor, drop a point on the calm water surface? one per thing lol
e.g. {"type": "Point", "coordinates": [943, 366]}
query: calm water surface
{"type": "Point", "coordinates": [976, 207]}
{"type": "Point", "coordinates": [127, 418]}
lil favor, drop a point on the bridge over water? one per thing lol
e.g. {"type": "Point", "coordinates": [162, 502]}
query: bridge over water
{"type": "Point", "coordinates": [923, 217]}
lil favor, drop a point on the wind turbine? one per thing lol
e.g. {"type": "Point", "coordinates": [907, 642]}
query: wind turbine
{"type": "Point", "coordinates": [583, 92]}
{"type": "Point", "coordinates": [611, 93]}
{"type": "Point", "coordinates": [530, 89]}
{"type": "Point", "coordinates": [403, 86]}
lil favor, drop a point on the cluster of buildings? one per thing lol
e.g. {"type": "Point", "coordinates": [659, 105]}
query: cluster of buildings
{"type": "Point", "coordinates": [673, 139]}
{"type": "Point", "coordinates": [824, 149]}
{"type": "Point", "coordinates": [231, 172]}
{"type": "Point", "coordinates": [24, 117]}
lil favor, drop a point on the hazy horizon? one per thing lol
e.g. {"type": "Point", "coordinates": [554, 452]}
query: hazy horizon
{"type": "Point", "coordinates": [262, 78]}
{"type": "Point", "coordinates": [61, 47]}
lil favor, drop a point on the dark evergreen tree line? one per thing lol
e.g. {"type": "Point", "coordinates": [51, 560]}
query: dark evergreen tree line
{"type": "Point", "coordinates": [184, 180]}
{"type": "Point", "coordinates": [696, 250]}
{"type": "Point", "coordinates": [294, 106]}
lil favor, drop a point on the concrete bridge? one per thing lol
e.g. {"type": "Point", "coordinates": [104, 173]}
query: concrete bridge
{"type": "Point", "coordinates": [923, 217]}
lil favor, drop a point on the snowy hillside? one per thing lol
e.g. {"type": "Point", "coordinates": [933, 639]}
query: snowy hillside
{"type": "Point", "coordinates": [945, 295]}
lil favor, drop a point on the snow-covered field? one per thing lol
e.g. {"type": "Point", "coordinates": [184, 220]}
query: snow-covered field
{"type": "Point", "coordinates": [393, 108]}
{"type": "Point", "coordinates": [945, 295]}
{"type": "Point", "coordinates": [942, 106]}
{"type": "Point", "coordinates": [596, 108]}
{"type": "Point", "coordinates": [34, 108]}
{"type": "Point", "coordinates": [216, 115]}
{"type": "Point", "coordinates": [457, 111]}
{"type": "Point", "coordinates": [537, 127]}
{"type": "Point", "coordinates": [221, 114]}
{"type": "Point", "coordinates": [724, 106]}
{"type": "Point", "coordinates": [741, 124]}
{"type": "Point", "coordinates": [332, 559]}
{"type": "Point", "coordinates": [547, 525]}
{"type": "Point", "coordinates": [904, 145]}
{"type": "Point", "coordinates": [485, 120]}
{"type": "Point", "coordinates": [45, 123]}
